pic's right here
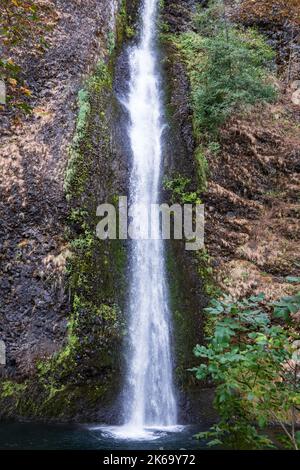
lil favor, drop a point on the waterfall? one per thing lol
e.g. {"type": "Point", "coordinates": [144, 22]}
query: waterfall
{"type": "Point", "coordinates": [149, 396]}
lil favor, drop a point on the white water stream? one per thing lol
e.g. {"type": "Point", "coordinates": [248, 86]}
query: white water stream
{"type": "Point", "coordinates": [149, 398]}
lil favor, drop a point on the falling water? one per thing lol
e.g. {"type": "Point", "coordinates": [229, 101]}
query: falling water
{"type": "Point", "coordinates": [149, 399]}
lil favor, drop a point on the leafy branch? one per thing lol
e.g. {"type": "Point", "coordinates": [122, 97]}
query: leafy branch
{"type": "Point", "coordinates": [254, 364]}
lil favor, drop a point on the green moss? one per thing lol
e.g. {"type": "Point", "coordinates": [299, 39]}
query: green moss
{"type": "Point", "coordinates": [80, 151]}
{"type": "Point", "coordinates": [126, 21]}
{"type": "Point", "coordinates": [130, 32]}
{"type": "Point", "coordinates": [86, 369]}
{"type": "Point", "coordinates": [111, 42]}
{"type": "Point", "coordinates": [9, 388]}
{"type": "Point", "coordinates": [186, 318]}
{"type": "Point", "coordinates": [76, 172]}
{"type": "Point", "coordinates": [102, 78]}
{"type": "Point", "coordinates": [202, 168]}
{"type": "Point", "coordinates": [64, 402]}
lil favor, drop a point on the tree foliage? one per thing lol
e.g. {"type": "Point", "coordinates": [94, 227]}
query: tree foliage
{"type": "Point", "coordinates": [227, 68]}
{"type": "Point", "coordinates": [255, 364]}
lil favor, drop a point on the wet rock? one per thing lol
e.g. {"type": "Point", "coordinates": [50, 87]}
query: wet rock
{"type": "Point", "coordinates": [33, 209]}
{"type": "Point", "coordinates": [4, 284]}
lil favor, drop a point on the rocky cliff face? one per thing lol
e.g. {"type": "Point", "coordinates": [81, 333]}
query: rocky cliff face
{"type": "Point", "coordinates": [252, 220]}
{"type": "Point", "coordinates": [251, 190]}
{"type": "Point", "coordinates": [61, 291]}
{"type": "Point", "coordinates": [188, 288]}
{"type": "Point", "coordinates": [253, 194]}
{"type": "Point", "coordinates": [53, 273]}
{"type": "Point", "coordinates": [34, 153]}
{"type": "Point", "coordinates": [61, 287]}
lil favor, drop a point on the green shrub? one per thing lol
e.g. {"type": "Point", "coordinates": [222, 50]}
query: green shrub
{"type": "Point", "coordinates": [255, 366]}
{"type": "Point", "coordinates": [227, 69]}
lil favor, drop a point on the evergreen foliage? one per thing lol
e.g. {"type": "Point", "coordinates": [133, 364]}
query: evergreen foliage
{"type": "Point", "coordinates": [227, 68]}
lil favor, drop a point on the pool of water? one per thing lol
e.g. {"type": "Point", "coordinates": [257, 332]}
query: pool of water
{"type": "Point", "coordinates": [93, 437]}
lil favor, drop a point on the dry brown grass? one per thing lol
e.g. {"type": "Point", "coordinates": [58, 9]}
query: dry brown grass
{"type": "Point", "coordinates": [279, 10]}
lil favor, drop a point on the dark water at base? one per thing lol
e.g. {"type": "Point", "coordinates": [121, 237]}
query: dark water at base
{"type": "Point", "coordinates": [87, 437]}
